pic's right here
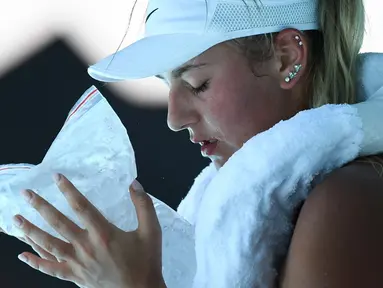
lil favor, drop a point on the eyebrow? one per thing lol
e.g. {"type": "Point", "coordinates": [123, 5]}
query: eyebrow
{"type": "Point", "coordinates": [177, 73]}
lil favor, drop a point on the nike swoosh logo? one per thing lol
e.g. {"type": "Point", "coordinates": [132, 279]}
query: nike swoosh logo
{"type": "Point", "coordinates": [150, 14]}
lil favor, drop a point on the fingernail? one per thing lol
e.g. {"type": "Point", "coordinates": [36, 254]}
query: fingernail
{"type": "Point", "coordinates": [23, 258]}
{"type": "Point", "coordinates": [27, 195]}
{"type": "Point", "coordinates": [57, 177]}
{"type": "Point", "coordinates": [137, 187]}
{"type": "Point", "coordinates": [17, 221]}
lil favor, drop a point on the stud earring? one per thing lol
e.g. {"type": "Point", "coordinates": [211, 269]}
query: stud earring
{"type": "Point", "coordinates": [293, 74]}
{"type": "Point", "coordinates": [300, 43]}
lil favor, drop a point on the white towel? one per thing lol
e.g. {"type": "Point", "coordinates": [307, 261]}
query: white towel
{"type": "Point", "coordinates": [243, 213]}
{"type": "Point", "coordinates": [370, 88]}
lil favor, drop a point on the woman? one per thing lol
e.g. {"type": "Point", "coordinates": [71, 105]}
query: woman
{"type": "Point", "coordinates": [253, 66]}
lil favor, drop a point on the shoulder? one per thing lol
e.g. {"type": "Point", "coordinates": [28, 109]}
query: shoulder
{"type": "Point", "coordinates": [338, 239]}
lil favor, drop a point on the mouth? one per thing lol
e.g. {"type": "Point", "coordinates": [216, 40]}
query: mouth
{"type": "Point", "coordinates": [208, 147]}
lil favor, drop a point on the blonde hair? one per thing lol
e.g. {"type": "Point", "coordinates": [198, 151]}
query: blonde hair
{"type": "Point", "coordinates": [334, 51]}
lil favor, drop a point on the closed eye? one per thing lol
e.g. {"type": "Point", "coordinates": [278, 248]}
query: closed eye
{"type": "Point", "coordinates": [200, 89]}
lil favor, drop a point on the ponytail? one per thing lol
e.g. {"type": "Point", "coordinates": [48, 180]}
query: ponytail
{"type": "Point", "coordinates": [334, 60]}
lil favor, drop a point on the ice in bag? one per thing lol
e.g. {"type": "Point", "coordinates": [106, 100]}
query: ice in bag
{"type": "Point", "coordinates": [94, 151]}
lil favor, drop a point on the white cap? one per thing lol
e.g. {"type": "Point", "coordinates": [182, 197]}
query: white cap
{"type": "Point", "coordinates": [178, 30]}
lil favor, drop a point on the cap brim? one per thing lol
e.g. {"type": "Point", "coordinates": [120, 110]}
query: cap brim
{"type": "Point", "coordinates": [151, 56]}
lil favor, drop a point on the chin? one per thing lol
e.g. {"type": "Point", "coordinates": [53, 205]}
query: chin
{"type": "Point", "coordinates": [219, 162]}
{"type": "Point", "coordinates": [222, 158]}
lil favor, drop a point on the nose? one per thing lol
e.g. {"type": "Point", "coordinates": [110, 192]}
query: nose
{"type": "Point", "coordinates": [182, 112]}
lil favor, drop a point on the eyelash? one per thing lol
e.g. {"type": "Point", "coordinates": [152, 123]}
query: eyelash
{"type": "Point", "coordinates": [200, 89]}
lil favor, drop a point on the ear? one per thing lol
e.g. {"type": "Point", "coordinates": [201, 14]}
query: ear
{"type": "Point", "coordinates": [291, 49]}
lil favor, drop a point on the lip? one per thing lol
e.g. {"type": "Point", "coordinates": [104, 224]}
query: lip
{"type": "Point", "coordinates": [208, 149]}
{"type": "Point", "coordinates": [200, 140]}
{"type": "Point", "coordinates": [196, 141]}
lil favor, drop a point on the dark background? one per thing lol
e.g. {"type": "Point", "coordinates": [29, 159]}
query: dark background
{"type": "Point", "coordinates": [35, 100]}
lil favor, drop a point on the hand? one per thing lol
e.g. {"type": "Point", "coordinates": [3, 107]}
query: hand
{"type": "Point", "coordinates": [101, 255]}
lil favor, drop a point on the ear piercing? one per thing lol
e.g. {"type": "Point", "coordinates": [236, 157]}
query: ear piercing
{"type": "Point", "coordinates": [300, 43]}
{"type": "Point", "coordinates": [297, 67]}
{"type": "Point", "coordinates": [293, 74]}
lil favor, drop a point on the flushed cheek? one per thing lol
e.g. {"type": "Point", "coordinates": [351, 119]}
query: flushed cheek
{"type": "Point", "coordinates": [230, 133]}
{"type": "Point", "coordinates": [222, 125]}
{"type": "Point", "coordinates": [230, 115]}
{"type": "Point", "coordinates": [237, 131]}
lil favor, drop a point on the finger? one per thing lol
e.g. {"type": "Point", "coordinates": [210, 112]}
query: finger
{"type": "Point", "coordinates": [52, 268]}
{"type": "Point", "coordinates": [147, 218]}
{"type": "Point", "coordinates": [36, 248]}
{"type": "Point", "coordinates": [40, 251]}
{"type": "Point", "coordinates": [88, 214]}
{"type": "Point", "coordinates": [53, 217]}
{"type": "Point", "coordinates": [53, 245]}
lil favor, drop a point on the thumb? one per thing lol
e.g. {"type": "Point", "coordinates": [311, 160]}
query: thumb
{"type": "Point", "coordinates": [146, 214]}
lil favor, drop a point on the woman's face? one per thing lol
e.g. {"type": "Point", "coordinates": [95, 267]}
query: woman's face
{"type": "Point", "coordinates": [219, 99]}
